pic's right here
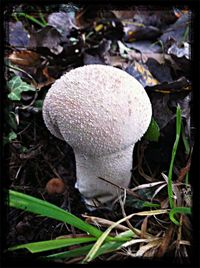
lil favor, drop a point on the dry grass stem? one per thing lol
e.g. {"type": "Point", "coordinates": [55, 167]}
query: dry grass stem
{"type": "Point", "coordinates": [103, 222]}
{"type": "Point", "coordinates": [127, 221]}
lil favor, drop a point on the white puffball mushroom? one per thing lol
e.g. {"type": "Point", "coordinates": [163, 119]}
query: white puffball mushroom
{"type": "Point", "coordinates": [101, 112]}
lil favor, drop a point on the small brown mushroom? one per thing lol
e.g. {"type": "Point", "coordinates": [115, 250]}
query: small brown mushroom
{"type": "Point", "coordinates": [55, 186]}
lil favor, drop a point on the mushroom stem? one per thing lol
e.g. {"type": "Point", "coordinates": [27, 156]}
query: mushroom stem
{"type": "Point", "coordinates": [115, 167]}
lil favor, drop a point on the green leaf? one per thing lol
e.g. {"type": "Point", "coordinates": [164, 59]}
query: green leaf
{"type": "Point", "coordinates": [38, 103]}
{"type": "Point", "coordinates": [153, 131]}
{"type": "Point", "coordinates": [15, 96]}
{"type": "Point", "coordinates": [36, 247]}
{"type": "Point", "coordinates": [11, 136]}
{"type": "Point", "coordinates": [16, 87]}
{"type": "Point", "coordinates": [44, 208]}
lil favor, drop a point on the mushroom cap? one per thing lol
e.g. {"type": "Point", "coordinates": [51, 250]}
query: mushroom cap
{"type": "Point", "coordinates": [97, 109]}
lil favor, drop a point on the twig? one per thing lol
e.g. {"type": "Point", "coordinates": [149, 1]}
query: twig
{"type": "Point", "coordinates": [123, 188]}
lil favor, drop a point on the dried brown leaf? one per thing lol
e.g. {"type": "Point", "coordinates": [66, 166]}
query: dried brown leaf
{"type": "Point", "coordinates": [144, 227]}
{"type": "Point", "coordinates": [103, 222]}
{"type": "Point", "coordinates": [184, 171]}
{"type": "Point", "coordinates": [165, 242]}
{"type": "Point", "coordinates": [26, 58]}
{"type": "Point", "coordinates": [143, 249]}
{"type": "Point", "coordinates": [50, 80]}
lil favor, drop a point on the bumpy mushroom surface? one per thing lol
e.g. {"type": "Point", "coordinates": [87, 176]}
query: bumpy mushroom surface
{"type": "Point", "coordinates": [101, 112]}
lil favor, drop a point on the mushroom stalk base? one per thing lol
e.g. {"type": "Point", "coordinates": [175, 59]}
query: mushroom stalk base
{"type": "Point", "coordinates": [115, 168]}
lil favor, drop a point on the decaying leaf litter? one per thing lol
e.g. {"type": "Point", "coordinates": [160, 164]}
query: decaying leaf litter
{"type": "Point", "coordinates": [153, 46]}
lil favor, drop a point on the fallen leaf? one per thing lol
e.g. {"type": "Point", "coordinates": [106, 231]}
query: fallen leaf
{"type": "Point", "coordinates": [25, 58]}
{"type": "Point", "coordinates": [162, 72]}
{"type": "Point", "coordinates": [165, 242]}
{"type": "Point", "coordinates": [136, 31]}
{"type": "Point", "coordinates": [144, 227]}
{"type": "Point", "coordinates": [180, 50]}
{"type": "Point", "coordinates": [62, 21]}
{"type": "Point", "coordinates": [18, 36]}
{"type": "Point", "coordinates": [124, 14]}
{"type": "Point", "coordinates": [177, 31]}
{"type": "Point", "coordinates": [50, 80]}
{"type": "Point", "coordinates": [98, 55]}
{"type": "Point", "coordinates": [184, 171]}
{"type": "Point", "coordinates": [47, 37]}
{"type": "Point", "coordinates": [141, 73]}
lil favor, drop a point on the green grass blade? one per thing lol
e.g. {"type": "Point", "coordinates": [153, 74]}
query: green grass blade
{"type": "Point", "coordinates": [42, 18]}
{"type": "Point", "coordinates": [37, 247]}
{"type": "Point", "coordinates": [31, 18]}
{"type": "Point", "coordinates": [107, 247]}
{"type": "Point", "coordinates": [178, 131]}
{"type": "Point", "coordinates": [181, 210]}
{"type": "Point", "coordinates": [44, 208]}
{"type": "Point", "coordinates": [151, 205]}
{"type": "Point", "coordinates": [69, 254]}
